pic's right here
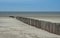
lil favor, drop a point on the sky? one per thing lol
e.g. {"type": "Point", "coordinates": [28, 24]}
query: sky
{"type": "Point", "coordinates": [29, 5]}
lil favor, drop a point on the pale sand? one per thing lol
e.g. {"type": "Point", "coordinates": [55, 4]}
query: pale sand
{"type": "Point", "coordinates": [53, 19]}
{"type": "Point", "coordinates": [12, 28]}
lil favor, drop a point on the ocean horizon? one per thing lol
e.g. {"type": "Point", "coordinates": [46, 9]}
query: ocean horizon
{"type": "Point", "coordinates": [18, 13]}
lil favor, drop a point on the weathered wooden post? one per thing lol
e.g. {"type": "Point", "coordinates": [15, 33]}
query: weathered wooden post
{"type": "Point", "coordinates": [29, 21]}
{"type": "Point", "coordinates": [43, 24]}
{"type": "Point", "coordinates": [51, 27]}
{"type": "Point", "coordinates": [57, 29]}
{"type": "Point", "coordinates": [47, 27]}
{"type": "Point", "coordinates": [38, 24]}
{"type": "Point", "coordinates": [32, 22]}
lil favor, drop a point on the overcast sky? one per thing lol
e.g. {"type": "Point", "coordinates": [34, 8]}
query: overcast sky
{"type": "Point", "coordinates": [29, 5]}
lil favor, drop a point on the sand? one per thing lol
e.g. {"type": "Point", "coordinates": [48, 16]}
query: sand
{"type": "Point", "coordinates": [53, 19]}
{"type": "Point", "coordinates": [12, 28]}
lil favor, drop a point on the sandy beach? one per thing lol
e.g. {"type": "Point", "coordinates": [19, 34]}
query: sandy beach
{"type": "Point", "coordinates": [12, 28]}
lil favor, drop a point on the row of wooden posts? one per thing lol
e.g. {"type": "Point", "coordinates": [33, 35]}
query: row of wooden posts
{"type": "Point", "coordinates": [48, 26]}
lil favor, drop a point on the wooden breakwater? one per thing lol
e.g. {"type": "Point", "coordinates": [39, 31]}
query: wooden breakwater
{"type": "Point", "coordinates": [45, 25]}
